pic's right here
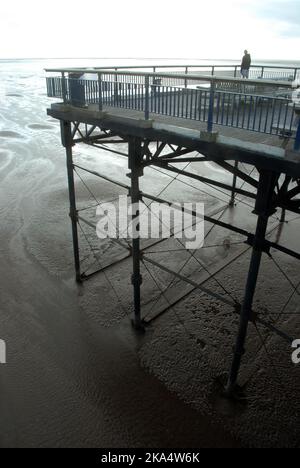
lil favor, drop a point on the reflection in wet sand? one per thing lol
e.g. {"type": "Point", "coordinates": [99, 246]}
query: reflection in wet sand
{"type": "Point", "coordinates": [77, 375]}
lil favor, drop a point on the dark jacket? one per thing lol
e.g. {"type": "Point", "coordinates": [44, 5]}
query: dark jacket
{"type": "Point", "coordinates": [246, 63]}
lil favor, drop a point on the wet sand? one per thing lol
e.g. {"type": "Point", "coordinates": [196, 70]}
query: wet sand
{"type": "Point", "coordinates": [77, 375]}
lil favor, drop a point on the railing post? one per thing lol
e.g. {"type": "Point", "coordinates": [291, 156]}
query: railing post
{"type": "Point", "coordinates": [100, 91]}
{"type": "Point", "coordinates": [64, 87]}
{"type": "Point", "coordinates": [212, 71]}
{"type": "Point", "coordinates": [147, 97]}
{"type": "Point", "coordinates": [211, 106]}
{"type": "Point", "coordinates": [295, 74]}
{"type": "Point", "coordinates": [262, 71]}
{"type": "Point", "coordinates": [235, 71]}
{"type": "Point", "coordinates": [186, 81]}
{"type": "Point", "coordinates": [297, 141]}
{"type": "Point", "coordinates": [116, 91]}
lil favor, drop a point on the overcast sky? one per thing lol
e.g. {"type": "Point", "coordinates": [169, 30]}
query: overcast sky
{"type": "Point", "coordinates": [152, 28]}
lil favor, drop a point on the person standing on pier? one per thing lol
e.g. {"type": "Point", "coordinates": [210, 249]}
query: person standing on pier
{"type": "Point", "coordinates": [246, 64]}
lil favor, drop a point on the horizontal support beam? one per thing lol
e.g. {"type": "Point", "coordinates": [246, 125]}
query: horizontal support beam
{"type": "Point", "coordinates": [95, 138]}
{"type": "Point", "coordinates": [177, 153]}
{"type": "Point", "coordinates": [224, 149]}
{"type": "Point", "coordinates": [204, 179]}
{"type": "Point", "coordinates": [120, 153]}
{"type": "Point", "coordinates": [87, 276]}
{"type": "Point", "coordinates": [180, 160]}
{"type": "Point", "coordinates": [108, 179]}
{"type": "Point", "coordinates": [189, 281]}
{"type": "Point", "coordinates": [209, 219]}
{"type": "Point", "coordinates": [274, 329]}
{"type": "Point", "coordinates": [235, 171]}
{"type": "Point", "coordinates": [284, 250]}
{"type": "Point", "coordinates": [93, 226]}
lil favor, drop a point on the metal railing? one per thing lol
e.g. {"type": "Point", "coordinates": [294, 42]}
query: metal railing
{"type": "Point", "coordinates": [257, 71]}
{"type": "Point", "coordinates": [254, 105]}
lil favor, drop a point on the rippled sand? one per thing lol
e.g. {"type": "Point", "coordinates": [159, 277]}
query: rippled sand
{"type": "Point", "coordinates": [77, 375]}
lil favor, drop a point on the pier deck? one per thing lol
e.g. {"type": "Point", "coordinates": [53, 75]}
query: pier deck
{"type": "Point", "coordinates": [165, 119]}
{"type": "Point", "coordinates": [229, 143]}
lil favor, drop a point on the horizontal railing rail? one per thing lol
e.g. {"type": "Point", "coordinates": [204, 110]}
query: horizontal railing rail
{"type": "Point", "coordinates": [262, 106]}
{"type": "Point", "coordinates": [261, 71]}
{"type": "Point", "coordinates": [171, 75]}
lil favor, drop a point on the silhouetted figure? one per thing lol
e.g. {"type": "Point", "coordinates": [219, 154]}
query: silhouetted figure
{"type": "Point", "coordinates": [246, 64]}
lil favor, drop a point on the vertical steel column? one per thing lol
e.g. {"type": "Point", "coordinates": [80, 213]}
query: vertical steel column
{"type": "Point", "coordinates": [282, 194]}
{"type": "Point", "coordinates": [283, 215]}
{"type": "Point", "coordinates": [100, 92]}
{"type": "Point", "coordinates": [210, 118]}
{"type": "Point", "coordinates": [264, 210]}
{"type": "Point", "coordinates": [297, 140]}
{"type": "Point", "coordinates": [134, 161]}
{"type": "Point", "coordinates": [186, 73]}
{"type": "Point", "coordinates": [116, 90]}
{"type": "Point", "coordinates": [295, 73]}
{"type": "Point", "coordinates": [147, 97]}
{"type": "Point", "coordinates": [64, 87]}
{"type": "Point", "coordinates": [232, 200]}
{"type": "Point", "coordinates": [67, 141]}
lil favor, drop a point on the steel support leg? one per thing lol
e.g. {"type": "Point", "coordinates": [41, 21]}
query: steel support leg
{"type": "Point", "coordinates": [283, 215]}
{"type": "Point", "coordinates": [232, 200]}
{"type": "Point", "coordinates": [264, 209]}
{"type": "Point", "coordinates": [67, 142]}
{"type": "Point", "coordinates": [135, 159]}
{"type": "Point", "coordinates": [283, 192]}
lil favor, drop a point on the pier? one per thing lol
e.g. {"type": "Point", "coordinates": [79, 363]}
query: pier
{"type": "Point", "coordinates": [171, 115]}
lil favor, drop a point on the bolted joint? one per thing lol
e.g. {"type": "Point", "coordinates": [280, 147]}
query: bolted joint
{"type": "Point", "coordinates": [73, 215]}
{"type": "Point", "coordinates": [265, 214]}
{"type": "Point", "coordinates": [137, 170]}
{"type": "Point", "coordinates": [261, 245]}
{"type": "Point", "coordinates": [139, 193]}
{"type": "Point", "coordinates": [209, 137]}
{"type": "Point", "coordinates": [66, 134]}
{"type": "Point", "coordinates": [238, 352]}
{"type": "Point", "coordinates": [136, 280]}
{"type": "Point", "coordinates": [253, 315]}
{"type": "Point", "coordinates": [80, 278]}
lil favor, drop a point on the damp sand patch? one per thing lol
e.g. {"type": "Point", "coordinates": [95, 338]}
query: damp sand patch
{"type": "Point", "coordinates": [40, 127]}
{"type": "Point", "coordinates": [10, 134]}
{"type": "Point", "coordinates": [14, 95]}
{"type": "Point", "coordinates": [6, 158]}
{"type": "Point", "coordinates": [3, 154]}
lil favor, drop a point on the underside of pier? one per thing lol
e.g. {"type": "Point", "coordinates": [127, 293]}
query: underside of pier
{"type": "Point", "coordinates": [272, 183]}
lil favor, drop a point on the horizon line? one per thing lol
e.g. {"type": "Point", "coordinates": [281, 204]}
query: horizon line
{"type": "Point", "coordinates": [138, 58]}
